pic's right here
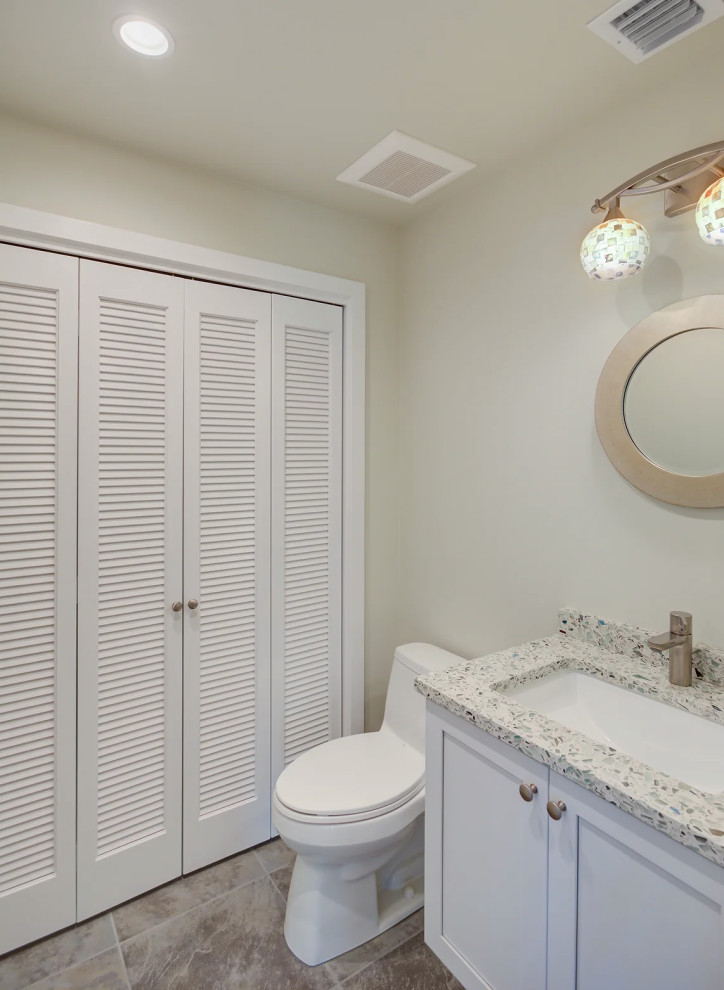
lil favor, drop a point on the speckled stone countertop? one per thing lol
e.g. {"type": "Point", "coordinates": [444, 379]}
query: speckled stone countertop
{"type": "Point", "coordinates": [475, 690]}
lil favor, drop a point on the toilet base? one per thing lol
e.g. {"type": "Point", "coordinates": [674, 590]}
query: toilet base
{"type": "Point", "coordinates": [351, 880]}
{"type": "Point", "coordinates": [396, 905]}
{"type": "Point", "coordinates": [327, 915]}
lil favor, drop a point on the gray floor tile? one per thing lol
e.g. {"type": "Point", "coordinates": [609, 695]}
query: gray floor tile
{"type": "Point", "coordinates": [274, 855]}
{"type": "Point", "coordinates": [282, 878]}
{"type": "Point", "coordinates": [234, 943]}
{"type": "Point", "coordinates": [356, 959]}
{"type": "Point", "coordinates": [410, 967]}
{"type": "Point", "coordinates": [160, 905]}
{"type": "Point", "coordinates": [26, 966]}
{"type": "Point", "coordinates": [103, 972]}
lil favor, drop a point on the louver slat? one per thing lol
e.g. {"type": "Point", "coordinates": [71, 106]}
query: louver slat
{"type": "Point", "coordinates": [227, 545]}
{"type": "Point", "coordinates": [129, 559]}
{"type": "Point", "coordinates": [119, 464]}
{"type": "Point", "coordinates": [648, 25]}
{"type": "Point", "coordinates": [639, 30]}
{"type": "Point", "coordinates": [227, 569]}
{"type": "Point", "coordinates": [38, 335]}
{"type": "Point", "coordinates": [307, 519]}
{"type": "Point", "coordinates": [21, 698]}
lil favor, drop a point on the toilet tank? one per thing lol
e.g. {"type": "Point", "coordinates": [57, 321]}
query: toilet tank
{"type": "Point", "coordinates": [405, 707]}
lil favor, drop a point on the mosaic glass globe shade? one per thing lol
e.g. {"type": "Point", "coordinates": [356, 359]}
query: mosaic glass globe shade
{"type": "Point", "coordinates": [710, 213]}
{"type": "Point", "coordinates": [616, 248]}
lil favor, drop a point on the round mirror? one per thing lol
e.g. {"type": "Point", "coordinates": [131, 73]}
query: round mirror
{"type": "Point", "coordinates": [674, 403]}
{"type": "Point", "coordinates": [660, 404]}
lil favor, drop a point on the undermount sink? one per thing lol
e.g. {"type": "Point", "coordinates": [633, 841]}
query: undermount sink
{"type": "Point", "coordinates": [682, 745]}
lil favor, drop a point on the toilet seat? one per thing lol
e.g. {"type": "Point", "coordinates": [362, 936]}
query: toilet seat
{"type": "Point", "coordinates": [354, 778]}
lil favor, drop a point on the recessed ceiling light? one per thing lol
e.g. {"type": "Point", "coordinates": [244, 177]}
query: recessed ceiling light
{"type": "Point", "coordinates": [143, 36]}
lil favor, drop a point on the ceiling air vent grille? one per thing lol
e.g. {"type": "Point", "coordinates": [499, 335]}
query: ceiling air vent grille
{"type": "Point", "coordinates": [641, 29]}
{"type": "Point", "coordinates": [404, 174]}
{"type": "Point", "coordinates": [404, 168]}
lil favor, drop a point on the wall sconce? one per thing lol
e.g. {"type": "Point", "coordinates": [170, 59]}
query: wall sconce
{"type": "Point", "coordinates": [619, 247]}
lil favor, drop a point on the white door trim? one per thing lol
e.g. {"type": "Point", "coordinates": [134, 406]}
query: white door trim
{"type": "Point", "coordinates": [64, 235]}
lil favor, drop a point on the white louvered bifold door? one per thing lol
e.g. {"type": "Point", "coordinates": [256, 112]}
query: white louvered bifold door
{"type": "Point", "coordinates": [306, 526]}
{"type": "Point", "coordinates": [38, 364]}
{"type": "Point", "coordinates": [226, 569]}
{"type": "Point", "coordinates": [130, 573]}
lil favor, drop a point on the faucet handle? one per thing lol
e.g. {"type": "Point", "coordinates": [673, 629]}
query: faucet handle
{"type": "Point", "coordinates": [680, 623]}
{"type": "Point", "coordinates": [664, 641]}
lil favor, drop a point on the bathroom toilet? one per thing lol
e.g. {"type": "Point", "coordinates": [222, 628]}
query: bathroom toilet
{"type": "Point", "coordinates": [353, 811]}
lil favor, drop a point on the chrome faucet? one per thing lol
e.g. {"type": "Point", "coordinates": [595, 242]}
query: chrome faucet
{"type": "Point", "coordinates": [678, 642]}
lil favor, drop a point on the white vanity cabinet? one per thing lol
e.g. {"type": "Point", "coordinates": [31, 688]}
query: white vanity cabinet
{"type": "Point", "coordinates": [628, 907]}
{"type": "Point", "coordinates": [486, 869]}
{"type": "Point", "coordinates": [519, 901]}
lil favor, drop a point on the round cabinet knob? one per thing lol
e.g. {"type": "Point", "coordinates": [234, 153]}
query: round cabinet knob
{"type": "Point", "coordinates": [555, 809]}
{"type": "Point", "coordinates": [177, 606]}
{"type": "Point", "coordinates": [193, 603]}
{"type": "Point", "coordinates": [528, 791]}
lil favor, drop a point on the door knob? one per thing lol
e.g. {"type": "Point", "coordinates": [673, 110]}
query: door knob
{"type": "Point", "coordinates": [555, 809]}
{"type": "Point", "coordinates": [193, 603]}
{"type": "Point", "coordinates": [177, 606]}
{"type": "Point", "coordinates": [528, 791]}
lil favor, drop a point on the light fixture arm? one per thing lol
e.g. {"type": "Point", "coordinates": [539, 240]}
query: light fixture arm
{"type": "Point", "coordinates": [711, 154]}
{"type": "Point", "coordinates": [614, 209]}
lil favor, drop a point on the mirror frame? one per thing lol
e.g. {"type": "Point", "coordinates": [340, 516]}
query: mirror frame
{"type": "Point", "coordinates": [706, 492]}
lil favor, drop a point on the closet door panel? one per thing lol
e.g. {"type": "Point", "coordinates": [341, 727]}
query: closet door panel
{"type": "Point", "coordinates": [130, 550]}
{"type": "Point", "coordinates": [38, 362]}
{"type": "Point", "coordinates": [226, 569]}
{"type": "Point", "coordinates": [306, 526]}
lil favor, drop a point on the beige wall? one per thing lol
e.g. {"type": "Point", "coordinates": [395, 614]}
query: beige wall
{"type": "Point", "coordinates": [51, 171]}
{"type": "Point", "coordinates": [509, 506]}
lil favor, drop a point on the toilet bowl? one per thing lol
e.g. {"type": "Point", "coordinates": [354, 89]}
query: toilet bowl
{"type": "Point", "coordinates": [353, 811]}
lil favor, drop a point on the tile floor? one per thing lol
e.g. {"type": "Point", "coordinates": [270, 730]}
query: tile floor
{"type": "Point", "coordinates": [218, 929]}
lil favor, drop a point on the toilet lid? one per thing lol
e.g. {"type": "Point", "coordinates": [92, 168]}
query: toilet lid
{"type": "Point", "coordinates": [352, 775]}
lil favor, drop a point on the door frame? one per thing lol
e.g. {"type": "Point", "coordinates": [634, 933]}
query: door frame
{"type": "Point", "coordinates": [80, 238]}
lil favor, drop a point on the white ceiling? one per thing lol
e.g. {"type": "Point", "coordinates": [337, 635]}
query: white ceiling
{"type": "Point", "coordinates": [285, 94]}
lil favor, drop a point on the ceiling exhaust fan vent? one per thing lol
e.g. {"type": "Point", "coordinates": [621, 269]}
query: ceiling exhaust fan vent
{"type": "Point", "coordinates": [639, 30]}
{"type": "Point", "coordinates": [404, 168]}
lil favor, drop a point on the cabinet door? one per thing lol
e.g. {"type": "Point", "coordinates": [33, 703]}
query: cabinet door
{"type": "Point", "coordinates": [38, 362]}
{"type": "Point", "coordinates": [485, 858]}
{"type": "Point", "coordinates": [129, 553]}
{"type": "Point", "coordinates": [306, 526]}
{"type": "Point", "coordinates": [629, 907]}
{"type": "Point", "coordinates": [226, 569]}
